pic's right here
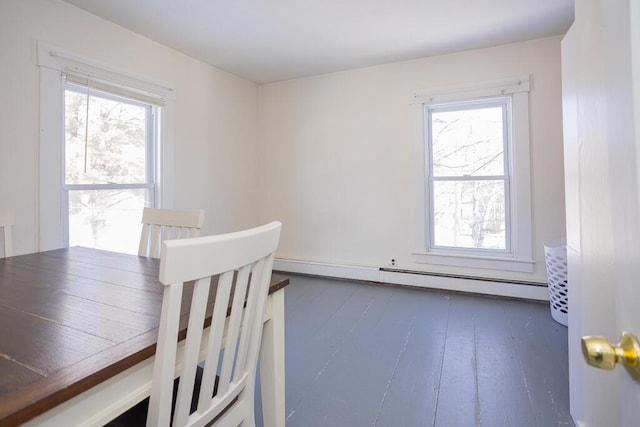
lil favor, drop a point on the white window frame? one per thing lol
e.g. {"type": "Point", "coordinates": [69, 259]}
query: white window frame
{"type": "Point", "coordinates": [518, 257]}
{"type": "Point", "coordinates": [53, 64]}
{"type": "Point", "coordinates": [152, 166]}
{"type": "Point", "coordinates": [505, 104]}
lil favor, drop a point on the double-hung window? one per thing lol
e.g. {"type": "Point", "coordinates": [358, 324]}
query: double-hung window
{"type": "Point", "coordinates": [474, 205]}
{"type": "Point", "coordinates": [106, 151]}
{"type": "Point", "coordinates": [468, 175]}
{"type": "Point", "coordinates": [111, 137]}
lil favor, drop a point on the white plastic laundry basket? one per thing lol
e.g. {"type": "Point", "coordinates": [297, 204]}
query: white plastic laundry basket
{"type": "Point", "coordinates": [555, 254]}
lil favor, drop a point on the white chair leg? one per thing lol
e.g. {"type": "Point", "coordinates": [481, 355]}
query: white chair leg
{"type": "Point", "coordinates": [272, 363]}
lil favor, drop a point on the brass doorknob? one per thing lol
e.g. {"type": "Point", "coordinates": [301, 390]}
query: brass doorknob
{"type": "Point", "coordinates": [599, 352]}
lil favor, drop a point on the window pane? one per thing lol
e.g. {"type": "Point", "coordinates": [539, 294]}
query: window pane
{"type": "Point", "coordinates": [469, 214]}
{"type": "Point", "coordinates": [468, 142]}
{"type": "Point", "coordinates": [115, 149]}
{"type": "Point", "coordinates": [106, 219]}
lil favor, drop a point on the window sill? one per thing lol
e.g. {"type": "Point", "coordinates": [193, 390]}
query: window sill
{"type": "Point", "coordinates": [474, 261]}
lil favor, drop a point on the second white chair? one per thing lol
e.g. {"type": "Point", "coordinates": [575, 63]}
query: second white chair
{"type": "Point", "coordinates": [163, 224]}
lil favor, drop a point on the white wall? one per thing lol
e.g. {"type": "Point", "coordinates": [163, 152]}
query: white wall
{"type": "Point", "coordinates": [335, 150]}
{"type": "Point", "coordinates": [215, 124]}
{"type": "Point", "coordinates": [337, 155]}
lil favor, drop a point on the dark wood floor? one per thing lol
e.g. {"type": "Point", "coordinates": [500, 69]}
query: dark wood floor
{"type": "Point", "coordinates": [369, 355]}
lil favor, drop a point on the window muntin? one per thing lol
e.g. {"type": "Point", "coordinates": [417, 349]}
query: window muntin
{"type": "Point", "coordinates": [468, 176]}
{"type": "Point", "coordinates": [109, 167]}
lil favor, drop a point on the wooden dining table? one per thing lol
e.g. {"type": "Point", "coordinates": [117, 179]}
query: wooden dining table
{"type": "Point", "coordinates": [78, 330]}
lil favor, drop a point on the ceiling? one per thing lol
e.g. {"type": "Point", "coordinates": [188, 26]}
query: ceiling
{"type": "Point", "coordinates": [268, 41]}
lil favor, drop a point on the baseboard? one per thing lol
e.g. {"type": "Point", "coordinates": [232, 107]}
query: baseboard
{"type": "Point", "coordinates": [486, 286]}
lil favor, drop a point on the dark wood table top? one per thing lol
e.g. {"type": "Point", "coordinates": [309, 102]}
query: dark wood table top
{"type": "Point", "coordinates": [72, 318]}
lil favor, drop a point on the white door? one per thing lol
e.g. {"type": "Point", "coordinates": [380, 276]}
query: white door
{"type": "Point", "coordinates": [601, 96]}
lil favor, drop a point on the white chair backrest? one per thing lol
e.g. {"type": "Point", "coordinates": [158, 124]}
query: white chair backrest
{"type": "Point", "coordinates": [7, 220]}
{"type": "Point", "coordinates": [162, 224]}
{"type": "Point", "coordinates": [242, 263]}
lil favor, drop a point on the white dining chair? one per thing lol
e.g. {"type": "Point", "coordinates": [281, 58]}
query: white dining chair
{"type": "Point", "coordinates": [7, 221]}
{"type": "Point", "coordinates": [242, 263]}
{"type": "Point", "coordinates": [162, 224]}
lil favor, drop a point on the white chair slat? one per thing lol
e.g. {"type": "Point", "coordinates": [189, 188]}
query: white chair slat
{"type": "Point", "coordinates": [191, 350]}
{"type": "Point", "coordinates": [8, 240]}
{"type": "Point", "coordinates": [162, 384]}
{"type": "Point", "coordinates": [249, 318]}
{"type": "Point", "coordinates": [7, 221]}
{"type": "Point", "coordinates": [233, 331]}
{"type": "Point", "coordinates": [143, 248]}
{"type": "Point", "coordinates": [242, 261]}
{"type": "Point", "coordinates": [156, 234]}
{"type": "Point", "coordinates": [176, 233]}
{"type": "Point", "coordinates": [169, 233]}
{"type": "Point", "coordinates": [216, 335]}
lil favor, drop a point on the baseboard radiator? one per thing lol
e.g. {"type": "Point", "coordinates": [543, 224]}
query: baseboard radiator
{"type": "Point", "coordinates": [422, 279]}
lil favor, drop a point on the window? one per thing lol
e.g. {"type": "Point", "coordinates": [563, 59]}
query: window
{"type": "Point", "coordinates": [468, 175]}
{"type": "Point", "coordinates": [106, 151]}
{"type": "Point", "coordinates": [473, 201]}
{"type": "Point", "coordinates": [109, 165]}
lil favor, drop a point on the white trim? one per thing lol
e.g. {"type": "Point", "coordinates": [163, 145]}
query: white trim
{"type": "Point", "coordinates": [374, 274]}
{"type": "Point", "coordinates": [474, 261]}
{"type": "Point", "coordinates": [53, 63]}
{"type": "Point", "coordinates": [521, 177]}
{"type": "Point", "coordinates": [61, 60]}
{"type": "Point", "coordinates": [521, 257]}
{"type": "Point", "coordinates": [51, 215]}
{"type": "Point", "coordinates": [341, 271]}
{"type": "Point", "coordinates": [166, 177]}
{"type": "Point", "coordinates": [502, 102]}
{"type": "Point", "coordinates": [471, 91]}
